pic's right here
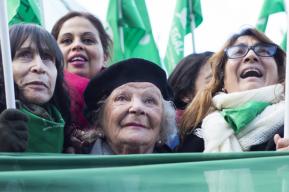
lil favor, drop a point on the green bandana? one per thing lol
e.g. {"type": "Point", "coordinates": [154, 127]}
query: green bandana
{"type": "Point", "coordinates": [240, 117]}
{"type": "Point", "coordinates": [45, 135]}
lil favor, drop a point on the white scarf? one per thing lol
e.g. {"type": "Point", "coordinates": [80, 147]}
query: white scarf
{"type": "Point", "coordinates": [220, 137]}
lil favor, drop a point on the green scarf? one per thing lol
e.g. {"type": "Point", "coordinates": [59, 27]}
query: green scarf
{"type": "Point", "coordinates": [46, 135]}
{"type": "Point", "coordinates": [238, 118]}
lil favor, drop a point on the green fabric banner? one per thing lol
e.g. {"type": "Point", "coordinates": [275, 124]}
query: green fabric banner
{"type": "Point", "coordinates": [132, 33]}
{"type": "Point", "coordinates": [24, 11]}
{"type": "Point", "coordinates": [181, 26]}
{"type": "Point", "coordinates": [224, 172]}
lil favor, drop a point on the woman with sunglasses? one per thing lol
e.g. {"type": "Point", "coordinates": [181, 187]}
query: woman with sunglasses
{"type": "Point", "coordinates": [242, 108]}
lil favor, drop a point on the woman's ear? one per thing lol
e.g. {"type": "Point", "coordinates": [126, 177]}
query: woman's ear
{"type": "Point", "coordinates": [100, 133]}
{"type": "Point", "coordinates": [224, 90]}
{"type": "Point", "coordinates": [159, 141]}
{"type": "Point", "coordinates": [105, 60]}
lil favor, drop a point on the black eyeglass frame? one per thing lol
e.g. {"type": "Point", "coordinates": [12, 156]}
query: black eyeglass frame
{"type": "Point", "coordinates": [272, 52]}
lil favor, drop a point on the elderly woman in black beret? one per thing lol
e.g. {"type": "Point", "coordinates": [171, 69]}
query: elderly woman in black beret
{"type": "Point", "coordinates": [129, 105]}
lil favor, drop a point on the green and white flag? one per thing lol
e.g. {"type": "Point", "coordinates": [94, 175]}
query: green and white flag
{"type": "Point", "coordinates": [27, 11]}
{"type": "Point", "coordinates": [181, 26]}
{"type": "Point", "coordinates": [284, 42]}
{"type": "Point", "coordinates": [269, 7]}
{"type": "Point", "coordinates": [131, 28]}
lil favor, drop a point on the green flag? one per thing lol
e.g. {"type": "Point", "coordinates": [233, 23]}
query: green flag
{"type": "Point", "coordinates": [284, 42]}
{"type": "Point", "coordinates": [181, 26]}
{"type": "Point", "coordinates": [270, 7]}
{"type": "Point", "coordinates": [131, 28]}
{"type": "Point", "coordinates": [24, 11]}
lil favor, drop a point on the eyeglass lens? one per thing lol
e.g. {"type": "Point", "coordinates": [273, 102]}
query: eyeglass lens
{"type": "Point", "coordinates": [262, 50]}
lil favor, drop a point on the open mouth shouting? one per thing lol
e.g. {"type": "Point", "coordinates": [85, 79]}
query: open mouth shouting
{"type": "Point", "coordinates": [251, 72]}
{"type": "Point", "coordinates": [77, 60]}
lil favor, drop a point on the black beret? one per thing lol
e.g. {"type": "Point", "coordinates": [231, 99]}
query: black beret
{"type": "Point", "coordinates": [130, 70]}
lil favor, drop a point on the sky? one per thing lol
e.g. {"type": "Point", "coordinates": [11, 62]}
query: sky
{"type": "Point", "coordinates": [221, 18]}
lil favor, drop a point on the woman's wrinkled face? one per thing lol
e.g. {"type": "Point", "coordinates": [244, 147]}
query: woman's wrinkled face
{"type": "Point", "coordinates": [34, 73]}
{"type": "Point", "coordinates": [132, 116]}
{"type": "Point", "coordinates": [250, 71]}
{"type": "Point", "coordinates": [81, 46]}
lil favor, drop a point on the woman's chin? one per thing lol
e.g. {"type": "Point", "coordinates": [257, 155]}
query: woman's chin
{"type": "Point", "coordinates": [135, 146]}
{"type": "Point", "coordinates": [249, 86]}
{"type": "Point", "coordinates": [37, 99]}
{"type": "Point", "coordinates": [136, 140]}
{"type": "Point", "coordinates": [78, 71]}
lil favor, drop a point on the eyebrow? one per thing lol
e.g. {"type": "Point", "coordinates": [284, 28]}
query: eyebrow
{"type": "Point", "coordinates": [82, 34]}
{"type": "Point", "coordinates": [88, 33]}
{"type": "Point", "coordinates": [152, 93]}
{"type": "Point", "coordinates": [242, 44]}
{"type": "Point", "coordinates": [25, 49]}
{"type": "Point", "coordinates": [65, 34]}
{"type": "Point", "coordinates": [40, 50]}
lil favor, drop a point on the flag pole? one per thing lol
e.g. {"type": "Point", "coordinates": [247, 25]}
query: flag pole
{"type": "Point", "coordinates": [42, 13]}
{"type": "Point", "coordinates": [193, 25]}
{"type": "Point", "coordinates": [120, 28]}
{"type": "Point", "coordinates": [286, 118]}
{"type": "Point", "coordinates": [285, 183]}
{"type": "Point", "coordinates": [6, 56]}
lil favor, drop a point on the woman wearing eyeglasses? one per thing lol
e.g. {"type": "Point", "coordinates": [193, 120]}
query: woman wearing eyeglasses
{"type": "Point", "coordinates": [242, 108]}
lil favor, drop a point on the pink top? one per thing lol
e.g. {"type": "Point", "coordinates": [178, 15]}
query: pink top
{"type": "Point", "coordinates": [76, 86]}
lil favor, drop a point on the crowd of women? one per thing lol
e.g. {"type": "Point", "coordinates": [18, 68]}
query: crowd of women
{"type": "Point", "coordinates": [70, 101]}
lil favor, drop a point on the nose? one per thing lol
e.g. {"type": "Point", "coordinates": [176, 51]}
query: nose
{"type": "Point", "coordinates": [251, 56]}
{"type": "Point", "coordinates": [136, 107]}
{"type": "Point", "coordinates": [77, 45]}
{"type": "Point", "coordinates": [37, 65]}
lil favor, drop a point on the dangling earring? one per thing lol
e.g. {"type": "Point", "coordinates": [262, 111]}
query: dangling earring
{"type": "Point", "coordinates": [159, 142]}
{"type": "Point", "coordinates": [100, 134]}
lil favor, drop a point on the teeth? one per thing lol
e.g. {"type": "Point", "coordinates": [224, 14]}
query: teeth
{"type": "Point", "coordinates": [77, 59]}
{"type": "Point", "coordinates": [257, 71]}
